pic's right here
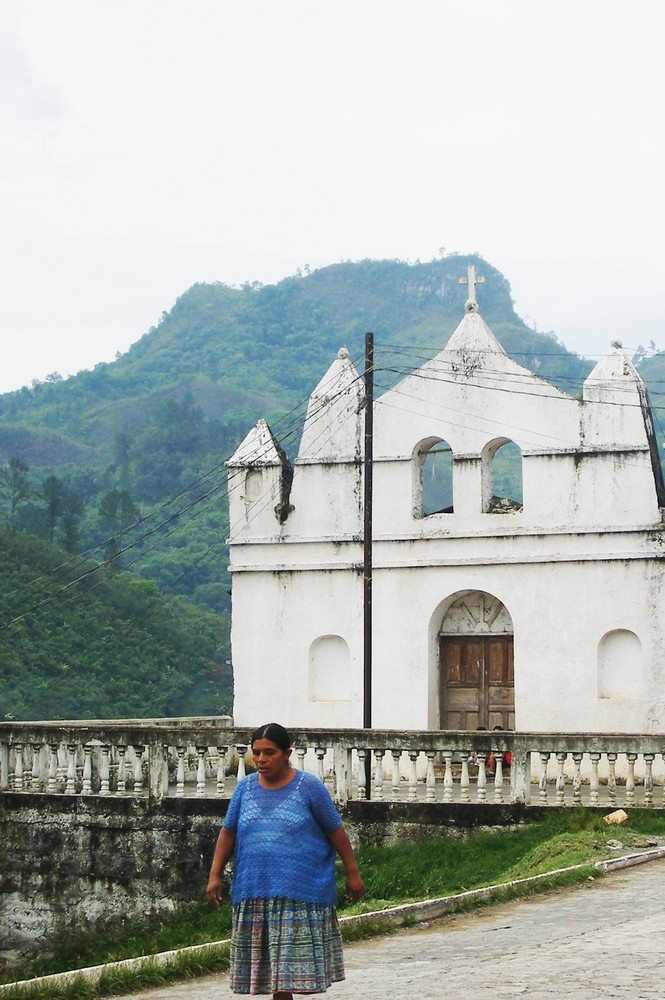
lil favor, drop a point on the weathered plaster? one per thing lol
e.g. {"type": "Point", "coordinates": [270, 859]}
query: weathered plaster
{"type": "Point", "coordinates": [582, 558]}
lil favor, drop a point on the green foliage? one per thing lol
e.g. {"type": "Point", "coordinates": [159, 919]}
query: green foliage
{"type": "Point", "coordinates": [181, 399]}
{"type": "Point", "coordinates": [14, 486]}
{"type": "Point", "coordinates": [78, 644]}
{"type": "Point", "coordinates": [126, 461]}
{"type": "Point", "coordinates": [407, 872]}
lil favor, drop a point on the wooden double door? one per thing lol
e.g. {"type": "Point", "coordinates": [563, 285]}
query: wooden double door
{"type": "Point", "coordinates": [477, 685]}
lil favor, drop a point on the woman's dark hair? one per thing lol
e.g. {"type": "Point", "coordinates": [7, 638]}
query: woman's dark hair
{"type": "Point", "coordinates": [275, 733]}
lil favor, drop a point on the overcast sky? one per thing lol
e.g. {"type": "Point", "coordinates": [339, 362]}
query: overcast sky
{"type": "Point", "coordinates": [149, 144]}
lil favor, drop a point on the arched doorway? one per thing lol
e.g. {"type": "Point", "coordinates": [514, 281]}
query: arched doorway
{"type": "Point", "coordinates": [476, 675]}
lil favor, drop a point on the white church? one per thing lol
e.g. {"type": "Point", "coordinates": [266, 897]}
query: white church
{"type": "Point", "coordinates": [537, 606]}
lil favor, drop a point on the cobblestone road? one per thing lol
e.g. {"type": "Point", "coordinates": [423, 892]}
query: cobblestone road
{"type": "Point", "coordinates": [601, 940]}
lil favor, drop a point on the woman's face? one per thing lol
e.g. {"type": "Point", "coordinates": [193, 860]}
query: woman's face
{"type": "Point", "coordinates": [271, 762]}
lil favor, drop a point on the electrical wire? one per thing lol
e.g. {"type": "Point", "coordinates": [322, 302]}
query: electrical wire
{"type": "Point", "coordinates": [291, 429]}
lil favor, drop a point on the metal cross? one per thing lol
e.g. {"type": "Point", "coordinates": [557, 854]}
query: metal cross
{"type": "Point", "coordinates": [471, 280]}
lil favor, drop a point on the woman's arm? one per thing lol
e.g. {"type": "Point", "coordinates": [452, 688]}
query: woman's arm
{"type": "Point", "coordinates": [223, 851]}
{"type": "Point", "coordinates": [354, 884]}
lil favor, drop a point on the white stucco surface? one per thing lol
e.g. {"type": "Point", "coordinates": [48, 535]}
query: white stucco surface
{"type": "Point", "coordinates": [577, 564]}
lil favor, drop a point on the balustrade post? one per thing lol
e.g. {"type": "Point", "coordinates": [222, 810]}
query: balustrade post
{"type": "Point", "coordinates": [52, 786]}
{"type": "Point", "coordinates": [44, 762]}
{"type": "Point", "coordinates": [648, 780]}
{"type": "Point", "coordinates": [378, 775]}
{"type": "Point", "coordinates": [158, 770]}
{"type": "Point", "coordinates": [481, 780]}
{"type": "Point", "coordinates": [430, 781]}
{"type": "Point", "coordinates": [498, 777]}
{"type": "Point", "coordinates": [86, 788]}
{"type": "Point", "coordinates": [35, 777]}
{"type": "Point", "coordinates": [447, 775]}
{"type": "Point", "coordinates": [542, 782]}
{"type": "Point", "coordinates": [561, 778]}
{"type": "Point", "coordinates": [63, 767]}
{"type": "Point", "coordinates": [396, 777]}
{"type": "Point", "coordinates": [413, 775]}
{"type": "Point", "coordinates": [593, 782]}
{"type": "Point", "coordinates": [70, 787]}
{"type": "Point", "coordinates": [612, 778]}
{"type": "Point", "coordinates": [320, 754]}
{"type": "Point", "coordinates": [241, 749]}
{"type": "Point", "coordinates": [464, 779]}
{"type": "Point", "coordinates": [630, 778]}
{"type": "Point", "coordinates": [105, 769]}
{"type": "Point", "coordinates": [362, 756]}
{"type": "Point", "coordinates": [577, 778]}
{"type": "Point", "coordinates": [180, 772]}
{"type": "Point", "coordinates": [139, 750]}
{"type": "Point", "coordinates": [301, 752]}
{"type": "Point", "coordinates": [221, 771]}
{"type": "Point", "coordinates": [4, 767]}
{"type": "Point", "coordinates": [520, 775]}
{"type": "Point", "coordinates": [201, 772]}
{"type": "Point", "coordinates": [121, 779]}
{"type": "Point", "coordinates": [18, 767]}
{"type": "Point", "coordinates": [343, 774]}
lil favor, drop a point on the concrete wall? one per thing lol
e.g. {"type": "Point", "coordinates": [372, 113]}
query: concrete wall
{"type": "Point", "coordinates": [71, 865]}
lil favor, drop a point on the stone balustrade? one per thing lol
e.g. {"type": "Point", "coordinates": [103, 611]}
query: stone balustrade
{"type": "Point", "coordinates": [205, 757]}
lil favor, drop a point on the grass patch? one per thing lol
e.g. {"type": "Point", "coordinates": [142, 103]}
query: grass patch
{"type": "Point", "coordinates": [191, 924]}
{"type": "Point", "coordinates": [409, 872]}
{"type": "Point", "coordinates": [393, 875]}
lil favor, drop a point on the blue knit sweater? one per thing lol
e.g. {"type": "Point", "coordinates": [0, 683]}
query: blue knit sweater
{"type": "Point", "coordinates": [282, 850]}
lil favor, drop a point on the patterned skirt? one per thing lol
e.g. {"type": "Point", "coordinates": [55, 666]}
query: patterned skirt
{"type": "Point", "coordinates": [280, 944]}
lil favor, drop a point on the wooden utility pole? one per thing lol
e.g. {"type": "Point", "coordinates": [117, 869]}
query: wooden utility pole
{"type": "Point", "coordinates": [368, 471]}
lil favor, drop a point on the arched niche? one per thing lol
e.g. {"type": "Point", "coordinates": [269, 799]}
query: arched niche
{"type": "Point", "coordinates": [620, 666]}
{"type": "Point", "coordinates": [502, 485]}
{"type": "Point", "coordinates": [432, 478]}
{"type": "Point", "coordinates": [253, 485]}
{"type": "Point", "coordinates": [329, 669]}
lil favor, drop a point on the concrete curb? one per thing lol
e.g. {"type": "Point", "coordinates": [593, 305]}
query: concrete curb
{"type": "Point", "coordinates": [95, 972]}
{"type": "Point", "coordinates": [394, 916]}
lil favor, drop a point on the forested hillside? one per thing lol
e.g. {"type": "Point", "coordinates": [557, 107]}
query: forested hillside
{"type": "Point", "coordinates": [124, 464]}
{"type": "Point", "coordinates": [113, 447]}
{"type": "Point", "coordinates": [78, 642]}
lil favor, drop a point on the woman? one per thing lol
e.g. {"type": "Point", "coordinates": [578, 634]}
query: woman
{"type": "Point", "coordinates": [283, 831]}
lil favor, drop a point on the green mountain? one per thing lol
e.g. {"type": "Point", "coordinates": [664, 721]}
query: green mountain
{"type": "Point", "coordinates": [125, 463]}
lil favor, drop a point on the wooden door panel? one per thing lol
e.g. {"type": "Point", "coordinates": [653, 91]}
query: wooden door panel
{"type": "Point", "coordinates": [476, 682]}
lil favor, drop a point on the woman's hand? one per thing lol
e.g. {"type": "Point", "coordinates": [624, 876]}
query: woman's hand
{"type": "Point", "coordinates": [354, 884]}
{"type": "Point", "coordinates": [354, 887]}
{"type": "Point", "coordinates": [214, 891]}
{"type": "Point", "coordinates": [223, 851]}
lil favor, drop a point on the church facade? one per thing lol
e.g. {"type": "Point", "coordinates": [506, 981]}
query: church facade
{"type": "Point", "coordinates": [518, 552]}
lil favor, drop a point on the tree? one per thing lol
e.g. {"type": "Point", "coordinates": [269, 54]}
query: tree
{"type": "Point", "coordinates": [53, 492]}
{"type": "Point", "coordinates": [116, 512]}
{"type": "Point", "coordinates": [72, 508]}
{"type": "Point", "coordinates": [14, 486]}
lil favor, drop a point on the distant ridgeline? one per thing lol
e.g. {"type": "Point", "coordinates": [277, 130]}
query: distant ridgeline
{"type": "Point", "coordinates": [125, 463]}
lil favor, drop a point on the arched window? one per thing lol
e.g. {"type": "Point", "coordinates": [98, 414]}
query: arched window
{"type": "Point", "coordinates": [329, 669]}
{"type": "Point", "coordinates": [432, 478]}
{"type": "Point", "coordinates": [502, 477]}
{"type": "Point", "coordinates": [620, 665]}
